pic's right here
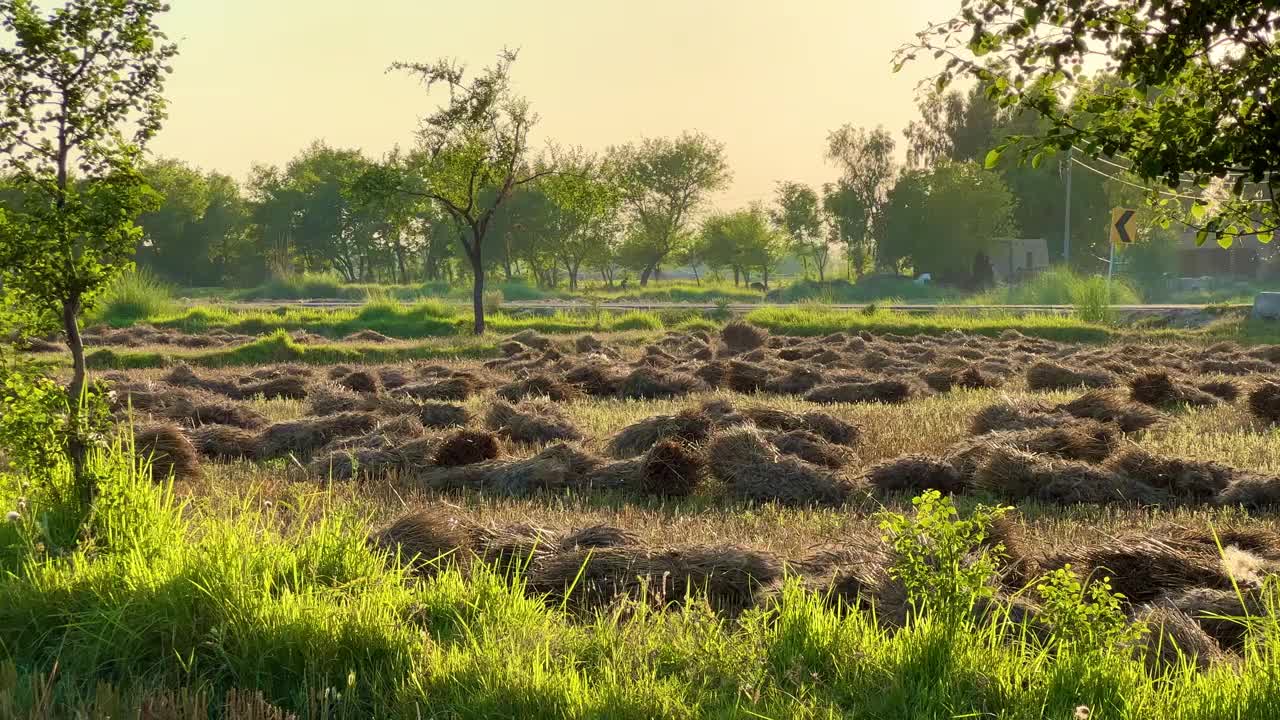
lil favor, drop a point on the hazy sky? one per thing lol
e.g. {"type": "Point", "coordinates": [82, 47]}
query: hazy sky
{"type": "Point", "coordinates": [257, 80]}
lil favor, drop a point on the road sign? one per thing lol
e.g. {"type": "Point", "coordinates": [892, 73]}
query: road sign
{"type": "Point", "coordinates": [1124, 226]}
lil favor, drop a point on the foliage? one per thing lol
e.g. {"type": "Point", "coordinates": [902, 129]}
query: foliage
{"type": "Point", "coordinates": [867, 168]}
{"type": "Point", "coordinates": [1058, 286]}
{"type": "Point", "coordinates": [939, 557]}
{"type": "Point", "coordinates": [1192, 104]}
{"type": "Point", "coordinates": [938, 220]}
{"type": "Point", "coordinates": [799, 215]}
{"type": "Point", "coordinates": [744, 241]}
{"type": "Point", "coordinates": [663, 182]}
{"type": "Point", "coordinates": [1087, 616]}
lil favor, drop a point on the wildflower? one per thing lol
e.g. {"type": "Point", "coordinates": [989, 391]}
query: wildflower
{"type": "Point", "coordinates": [13, 516]}
{"type": "Point", "coordinates": [22, 504]}
{"type": "Point", "coordinates": [1082, 712]}
{"type": "Point", "coordinates": [266, 504]}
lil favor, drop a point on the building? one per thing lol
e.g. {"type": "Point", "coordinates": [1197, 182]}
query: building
{"type": "Point", "coordinates": [1015, 259]}
{"type": "Point", "coordinates": [1244, 260]}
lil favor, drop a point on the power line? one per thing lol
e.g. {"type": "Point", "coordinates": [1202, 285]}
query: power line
{"type": "Point", "coordinates": [1183, 176]}
{"type": "Point", "coordinates": [1166, 193]}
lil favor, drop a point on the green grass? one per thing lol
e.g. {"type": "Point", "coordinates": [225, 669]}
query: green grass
{"type": "Point", "coordinates": [879, 289]}
{"type": "Point", "coordinates": [817, 320]}
{"type": "Point", "coordinates": [132, 297]}
{"type": "Point", "coordinates": [291, 601]}
{"type": "Point", "coordinates": [1059, 286]}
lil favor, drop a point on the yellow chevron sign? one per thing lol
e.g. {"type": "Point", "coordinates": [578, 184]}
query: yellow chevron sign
{"type": "Point", "coordinates": [1124, 226]}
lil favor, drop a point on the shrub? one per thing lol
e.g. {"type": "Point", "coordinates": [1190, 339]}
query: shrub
{"type": "Point", "coordinates": [493, 300]}
{"type": "Point", "coordinates": [133, 297]}
{"type": "Point", "coordinates": [1089, 617]}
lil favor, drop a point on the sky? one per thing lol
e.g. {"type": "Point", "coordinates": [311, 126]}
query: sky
{"type": "Point", "coordinates": [258, 80]}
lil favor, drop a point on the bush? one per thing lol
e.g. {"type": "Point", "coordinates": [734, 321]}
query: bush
{"type": "Point", "coordinates": [1060, 286]}
{"type": "Point", "coordinates": [133, 297]}
{"type": "Point", "coordinates": [493, 300]}
{"type": "Point", "coordinates": [305, 286]}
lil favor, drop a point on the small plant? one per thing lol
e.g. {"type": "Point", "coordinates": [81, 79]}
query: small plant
{"type": "Point", "coordinates": [722, 309]}
{"type": "Point", "coordinates": [1085, 616]}
{"type": "Point", "coordinates": [1092, 300]}
{"type": "Point", "coordinates": [940, 557]}
{"type": "Point", "coordinates": [133, 297]}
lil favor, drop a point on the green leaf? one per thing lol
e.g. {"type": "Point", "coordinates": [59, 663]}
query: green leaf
{"type": "Point", "coordinates": [1037, 159]}
{"type": "Point", "coordinates": [1225, 241]}
{"type": "Point", "coordinates": [993, 158]}
{"type": "Point", "coordinates": [1197, 211]}
{"type": "Point", "coordinates": [1202, 235]}
{"type": "Point", "coordinates": [1265, 237]}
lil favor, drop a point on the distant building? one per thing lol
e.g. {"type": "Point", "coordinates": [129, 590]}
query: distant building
{"type": "Point", "coordinates": [1244, 260]}
{"type": "Point", "coordinates": [1014, 259]}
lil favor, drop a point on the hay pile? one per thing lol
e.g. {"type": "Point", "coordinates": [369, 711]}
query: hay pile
{"type": "Point", "coordinates": [466, 447]}
{"type": "Point", "coordinates": [745, 377]}
{"type": "Point", "coordinates": [168, 452]}
{"type": "Point", "coordinates": [1264, 402]}
{"type": "Point", "coordinates": [689, 426]}
{"type": "Point", "coordinates": [1112, 407]}
{"type": "Point", "coordinates": [741, 337]}
{"type": "Point", "coordinates": [967, 378]}
{"type": "Point", "coordinates": [1160, 389]}
{"type": "Point", "coordinates": [649, 383]}
{"type": "Point", "coordinates": [367, 336]}
{"type": "Point", "coordinates": [672, 468]}
{"type": "Point", "coordinates": [597, 379]}
{"type": "Point", "coordinates": [224, 442]}
{"type": "Point", "coordinates": [1173, 639]}
{"type": "Point", "coordinates": [1047, 375]}
{"type": "Point", "coordinates": [1011, 415]}
{"type": "Point", "coordinates": [375, 460]}
{"type": "Point", "coordinates": [361, 381]}
{"type": "Point", "coordinates": [1144, 567]}
{"type": "Point", "coordinates": [812, 448]}
{"type": "Point", "coordinates": [428, 540]}
{"type": "Point", "coordinates": [914, 474]}
{"type": "Point", "coordinates": [1190, 480]}
{"type": "Point", "coordinates": [1016, 475]}
{"type": "Point", "coordinates": [752, 469]}
{"type": "Point", "coordinates": [535, 422]}
{"type": "Point", "coordinates": [1254, 492]}
{"type": "Point", "coordinates": [304, 436]}
{"type": "Point", "coordinates": [1084, 440]}
{"type": "Point", "coordinates": [442, 414]}
{"type": "Point", "coordinates": [539, 385]}
{"type": "Point", "coordinates": [456, 388]}
{"type": "Point", "coordinates": [289, 387]}
{"type": "Point", "coordinates": [797, 380]}
{"type": "Point", "coordinates": [881, 391]}
{"type": "Point", "coordinates": [557, 467]}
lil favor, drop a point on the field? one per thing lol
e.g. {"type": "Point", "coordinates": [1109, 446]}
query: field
{"type": "Point", "coordinates": [711, 520]}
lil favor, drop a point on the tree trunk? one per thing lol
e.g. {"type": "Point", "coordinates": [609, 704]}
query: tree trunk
{"type": "Point", "coordinates": [77, 447]}
{"type": "Point", "coordinates": [477, 290]}
{"type": "Point", "coordinates": [644, 276]}
{"type": "Point", "coordinates": [696, 278]}
{"type": "Point", "coordinates": [735, 276]}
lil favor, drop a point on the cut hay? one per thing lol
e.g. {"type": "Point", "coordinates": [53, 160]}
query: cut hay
{"type": "Point", "coordinates": [533, 339]}
{"type": "Point", "coordinates": [856, 576]}
{"type": "Point", "coordinates": [404, 427]}
{"type": "Point", "coordinates": [742, 337]}
{"type": "Point", "coordinates": [167, 451]}
{"type": "Point", "coordinates": [745, 377]}
{"type": "Point", "coordinates": [557, 467]}
{"type": "Point", "coordinates": [224, 442]}
{"type": "Point", "coordinates": [393, 377]}
{"type": "Point", "coordinates": [587, 344]}
{"type": "Point", "coordinates": [1173, 639]}
{"type": "Point", "coordinates": [689, 426]}
{"type": "Point", "coordinates": [304, 436]}
{"type": "Point", "coordinates": [539, 385]}
{"type": "Point", "coordinates": [1016, 475]}
{"type": "Point", "coordinates": [428, 540]}
{"type": "Point", "coordinates": [1264, 402]}
{"type": "Point", "coordinates": [753, 470]}
{"type": "Point", "coordinates": [1224, 389]}
{"type": "Point", "coordinates": [1191, 480]}
{"type": "Point", "coordinates": [442, 415]}
{"type": "Point", "coordinates": [914, 474]}
{"type": "Point", "coordinates": [877, 391]}
{"type": "Point", "coordinates": [652, 383]}
{"type": "Point", "coordinates": [813, 449]}
{"type": "Point", "coordinates": [457, 389]}
{"type": "Point", "coordinates": [1254, 492]}
{"type": "Point", "coordinates": [1159, 389]}
{"type": "Point", "coordinates": [370, 462]}
{"type": "Point", "coordinates": [797, 381]}
{"type": "Point", "coordinates": [832, 428]}
{"type": "Point", "coordinates": [1237, 366]}
{"type": "Point", "coordinates": [1111, 406]}
{"type": "Point", "coordinates": [1225, 616]}
{"type": "Point", "coordinates": [1010, 415]}
{"type": "Point", "coordinates": [1084, 440]}
{"type": "Point", "coordinates": [672, 468]}
{"type": "Point", "coordinates": [595, 379]}
{"type": "Point", "coordinates": [466, 447]}
{"type": "Point", "coordinates": [184, 376]}
{"type": "Point", "coordinates": [1142, 568]}
{"type": "Point", "coordinates": [535, 422]}
{"type": "Point", "coordinates": [598, 536]}
{"type": "Point", "coordinates": [1046, 375]}
{"type": "Point", "coordinates": [331, 399]}
{"type": "Point", "coordinates": [361, 381]}
{"type": "Point", "coordinates": [967, 378]}
{"type": "Point", "coordinates": [290, 387]}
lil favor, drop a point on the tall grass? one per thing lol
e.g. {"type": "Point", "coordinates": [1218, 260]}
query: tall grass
{"type": "Point", "coordinates": [291, 601]}
{"type": "Point", "coordinates": [132, 297]}
{"type": "Point", "coordinates": [813, 319]}
{"type": "Point", "coordinates": [1059, 286]}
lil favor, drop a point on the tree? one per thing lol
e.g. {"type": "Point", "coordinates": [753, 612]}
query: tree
{"type": "Point", "coordinates": [476, 142]}
{"type": "Point", "coordinates": [938, 220]}
{"type": "Point", "coordinates": [865, 159]}
{"type": "Point", "coordinates": [585, 211]}
{"type": "Point", "coordinates": [743, 240]}
{"type": "Point", "coordinates": [952, 126]}
{"type": "Point", "coordinates": [82, 93]}
{"type": "Point", "coordinates": [663, 182]}
{"type": "Point", "coordinates": [799, 215]}
{"type": "Point", "coordinates": [170, 246]}
{"type": "Point", "coordinates": [1194, 107]}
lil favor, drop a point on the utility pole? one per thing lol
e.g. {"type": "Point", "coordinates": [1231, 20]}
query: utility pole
{"type": "Point", "coordinates": [1066, 220]}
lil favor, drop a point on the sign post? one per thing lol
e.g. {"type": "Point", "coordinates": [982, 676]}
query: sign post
{"type": "Point", "coordinates": [1124, 230]}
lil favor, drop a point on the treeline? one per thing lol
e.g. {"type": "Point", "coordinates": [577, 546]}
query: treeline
{"type": "Point", "coordinates": [623, 215]}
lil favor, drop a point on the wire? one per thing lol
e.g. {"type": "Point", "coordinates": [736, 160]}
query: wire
{"type": "Point", "coordinates": [1185, 176]}
{"type": "Point", "coordinates": [1166, 193]}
